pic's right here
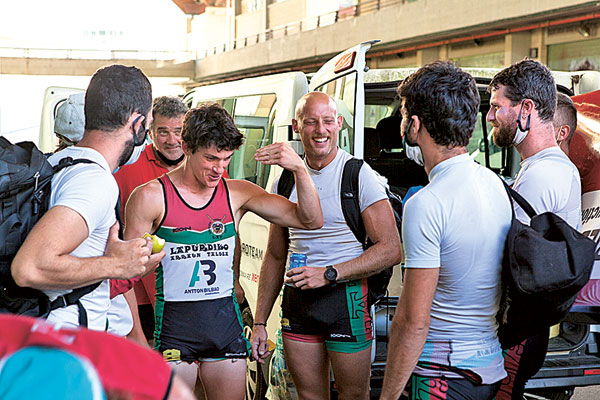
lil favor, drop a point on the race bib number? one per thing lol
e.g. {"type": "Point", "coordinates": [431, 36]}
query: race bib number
{"type": "Point", "coordinates": [200, 272]}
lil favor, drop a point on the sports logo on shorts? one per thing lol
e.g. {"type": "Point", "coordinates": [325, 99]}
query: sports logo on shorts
{"type": "Point", "coordinates": [172, 355]}
{"type": "Point", "coordinates": [217, 226]}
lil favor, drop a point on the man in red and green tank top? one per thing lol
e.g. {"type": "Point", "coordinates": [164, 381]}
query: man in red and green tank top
{"type": "Point", "coordinates": [197, 211]}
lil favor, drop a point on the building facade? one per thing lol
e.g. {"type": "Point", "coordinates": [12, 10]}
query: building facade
{"type": "Point", "coordinates": [254, 37]}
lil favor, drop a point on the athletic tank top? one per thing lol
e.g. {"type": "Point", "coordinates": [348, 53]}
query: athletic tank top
{"type": "Point", "coordinates": [200, 243]}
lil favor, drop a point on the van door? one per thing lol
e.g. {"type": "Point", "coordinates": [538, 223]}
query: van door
{"type": "Point", "coordinates": [53, 97]}
{"type": "Point", "coordinates": [343, 78]}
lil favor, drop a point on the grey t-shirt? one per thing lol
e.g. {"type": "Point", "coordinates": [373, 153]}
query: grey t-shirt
{"type": "Point", "coordinates": [549, 181]}
{"type": "Point", "coordinates": [334, 242]}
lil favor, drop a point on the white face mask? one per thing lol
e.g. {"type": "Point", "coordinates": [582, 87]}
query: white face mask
{"type": "Point", "coordinates": [137, 148]}
{"type": "Point", "coordinates": [414, 153]}
{"type": "Point", "coordinates": [520, 133]}
{"type": "Point", "coordinates": [135, 154]}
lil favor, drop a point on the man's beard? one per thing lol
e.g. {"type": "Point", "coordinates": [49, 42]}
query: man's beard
{"type": "Point", "coordinates": [126, 153]}
{"type": "Point", "coordinates": [409, 141]}
{"type": "Point", "coordinates": [407, 138]}
{"type": "Point", "coordinates": [504, 134]}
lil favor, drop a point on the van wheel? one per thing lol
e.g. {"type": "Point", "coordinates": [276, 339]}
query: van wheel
{"type": "Point", "coordinates": [256, 386]}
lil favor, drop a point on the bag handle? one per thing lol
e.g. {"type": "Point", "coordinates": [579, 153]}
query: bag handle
{"type": "Point", "coordinates": [520, 200]}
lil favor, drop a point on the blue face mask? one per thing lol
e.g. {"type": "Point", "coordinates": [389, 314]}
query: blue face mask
{"type": "Point", "coordinates": [520, 133]}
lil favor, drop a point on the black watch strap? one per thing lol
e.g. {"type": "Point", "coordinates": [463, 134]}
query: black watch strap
{"type": "Point", "coordinates": [331, 275]}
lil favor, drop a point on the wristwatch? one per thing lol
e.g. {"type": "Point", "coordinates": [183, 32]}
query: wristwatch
{"type": "Point", "coordinates": [331, 275]}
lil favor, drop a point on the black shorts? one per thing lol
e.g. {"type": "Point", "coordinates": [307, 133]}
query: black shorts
{"type": "Point", "coordinates": [146, 313]}
{"type": "Point", "coordinates": [338, 315]}
{"type": "Point", "coordinates": [196, 330]}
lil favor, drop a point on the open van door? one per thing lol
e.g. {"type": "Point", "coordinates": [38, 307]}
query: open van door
{"type": "Point", "coordinates": [53, 97]}
{"type": "Point", "coordinates": [343, 78]}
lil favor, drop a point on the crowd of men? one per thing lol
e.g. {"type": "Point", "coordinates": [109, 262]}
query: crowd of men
{"type": "Point", "coordinates": [443, 337]}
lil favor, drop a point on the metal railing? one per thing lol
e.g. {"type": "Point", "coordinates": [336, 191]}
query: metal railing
{"type": "Point", "coordinates": [362, 7]}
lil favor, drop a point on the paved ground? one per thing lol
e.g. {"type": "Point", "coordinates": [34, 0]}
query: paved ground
{"type": "Point", "coordinates": [587, 393]}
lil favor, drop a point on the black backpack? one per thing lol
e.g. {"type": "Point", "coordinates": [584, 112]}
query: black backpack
{"type": "Point", "coordinates": [377, 283]}
{"type": "Point", "coordinates": [545, 265]}
{"type": "Point", "coordinates": [25, 183]}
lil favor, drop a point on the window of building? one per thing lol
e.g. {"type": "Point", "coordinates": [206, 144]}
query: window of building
{"type": "Point", "coordinates": [251, 5]}
{"type": "Point", "coordinates": [574, 56]}
{"type": "Point", "coordinates": [491, 60]}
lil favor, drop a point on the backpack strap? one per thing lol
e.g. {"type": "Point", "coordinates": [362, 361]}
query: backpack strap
{"type": "Point", "coordinates": [68, 161]}
{"type": "Point", "coordinates": [349, 198]}
{"type": "Point", "coordinates": [348, 195]}
{"type": "Point", "coordinates": [63, 163]}
{"type": "Point", "coordinates": [286, 183]}
{"type": "Point", "coordinates": [524, 204]}
{"type": "Point", "coordinates": [520, 200]}
{"type": "Point", "coordinates": [73, 298]}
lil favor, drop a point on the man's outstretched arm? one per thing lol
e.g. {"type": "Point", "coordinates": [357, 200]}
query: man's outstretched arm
{"type": "Point", "coordinates": [44, 260]}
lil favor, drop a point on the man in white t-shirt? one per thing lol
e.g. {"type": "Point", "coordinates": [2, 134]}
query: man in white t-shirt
{"type": "Point", "coordinates": [325, 312]}
{"type": "Point", "coordinates": [76, 242]}
{"type": "Point", "coordinates": [522, 107]}
{"type": "Point", "coordinates": [443, 341]}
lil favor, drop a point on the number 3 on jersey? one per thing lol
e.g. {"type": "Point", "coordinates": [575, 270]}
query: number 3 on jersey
{"type": "Point", "coordinates": [209, 271]}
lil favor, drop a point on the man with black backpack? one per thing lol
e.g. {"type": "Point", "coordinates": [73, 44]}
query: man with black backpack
{"type": "Point", "coordinates": [75, 243]}
{"type": "Point", "coordinates": [443, 341]}
{"type": "Point", "coordinates": [522, 108]}
{"type": "Point", "coordinates": [326, 317]}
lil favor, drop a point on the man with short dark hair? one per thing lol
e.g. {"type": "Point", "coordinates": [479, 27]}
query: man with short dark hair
{"type": "Point", "coordinates": [565, 121]}
{"type": "Point", "coordinates": [197, 212]}
{"type": "Point", "coordinates": [443, 341]}
{"type": "Point", "coordinates": [522, 107]}
{"type": "Point", "coordinates": [76, 242]}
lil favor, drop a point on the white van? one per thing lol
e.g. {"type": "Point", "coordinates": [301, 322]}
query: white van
{"type": "Point", "coordinates": [54, 96]}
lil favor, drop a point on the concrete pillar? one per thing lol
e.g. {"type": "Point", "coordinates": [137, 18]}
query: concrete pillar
{"type": "Point", "coordinates": [538, 41]}
{"type": "Point", "coordinates": [443, 51]}
{"type": "Point", "coordinates": [373, 63]}
{"type": "Point", "coordinates": [189, 42]}
{"type": "Point", "coordinates": [516, 47]}
{"type": "Point", "coordinates": [265, 16]}
{"type": "Point", "coordinates": [428, 55]}
{"type": "Point", "coordinates": [230, 13]}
